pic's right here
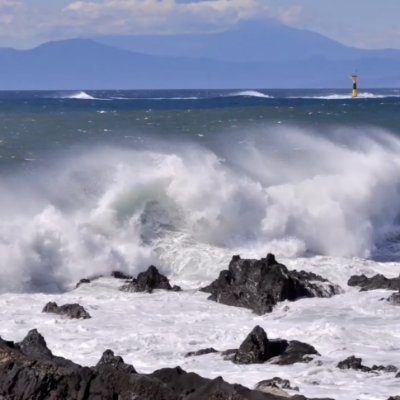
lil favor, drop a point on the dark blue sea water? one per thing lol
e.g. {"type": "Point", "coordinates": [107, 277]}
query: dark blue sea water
{"type": "Point", "coordinates": [104, 180]}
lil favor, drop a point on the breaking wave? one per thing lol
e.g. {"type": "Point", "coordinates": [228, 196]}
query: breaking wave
{"type": "Point", "coordinates": [337, 96]}
{"type": "Point", "coordinates": [287, 191]}
{"type": "Point", "coordinates": [250, 93]}
{"type": "Point", "coordinates": [80, 96]}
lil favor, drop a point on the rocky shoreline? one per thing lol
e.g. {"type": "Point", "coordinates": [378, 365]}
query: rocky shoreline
{"type": "Point", "coordinates": [29, 370]}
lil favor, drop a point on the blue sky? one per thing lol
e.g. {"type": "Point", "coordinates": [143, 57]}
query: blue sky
{"type": "Point", "coordinates": [361, 23]}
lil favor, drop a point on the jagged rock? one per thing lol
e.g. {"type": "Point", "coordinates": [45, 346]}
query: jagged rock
{"type": "Point", "coordinates": [201, 352]}
{"type": "Point", "coordinates": [148, 281]}
{"type": "Point", "coordinates": [394, 299]}
{"type": "Point", "coordinates": [296, 352]}
{"type": "Point", "coordinates": [384, 368]}
{"type": "Point", "coordinates": [276, 382]}
{"type": "Point", "coordinates": [261, 284]}
{"type": "Point", "coordinates": [69, 310]}
{"type": "Point", "coordinates": [29, 371]}
{"type": "Point", "coordinates": [120, 275]}
{"type": "Point", "coordinates": [378, 281]}
{"type": "Point", "coordinates": [394, 398]}
{"type": "Point", "coordinates": [353, 362]}
{"type": "Point", "coordinates": [108, 358]}
{"type": "Point", "coordinates": [257, 348]}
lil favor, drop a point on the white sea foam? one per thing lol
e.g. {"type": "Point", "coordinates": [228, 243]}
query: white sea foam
{"type": "Point", "coordinates": [157, 98]}
{"type": "Point", "coordinates": [283, 190]}
{"type": "Point", "coordinates": [250, 93]}
{"type": "Point", "coordinates": [341, 96]}
{"type": "Point", "coordinates": [168, 325]}
{"type": "Point", "coordinates": [80, 96]}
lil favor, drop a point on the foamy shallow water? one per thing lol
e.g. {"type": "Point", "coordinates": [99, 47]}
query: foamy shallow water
{"type": "Point", "coordinates": [155, 331]}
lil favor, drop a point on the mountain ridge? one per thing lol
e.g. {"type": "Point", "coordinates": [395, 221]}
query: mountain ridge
{"type": "Point", "coordinates": [293, 61]}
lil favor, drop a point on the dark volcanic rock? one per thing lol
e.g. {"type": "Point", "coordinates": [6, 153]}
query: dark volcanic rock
{"type": "Point", "coordinates": [257, 348]}
{"type": "Point", "coordinates": [148, 281]}
{"type": "Point", "coordinates": [29, 371]}
{"type": "Point", "coordinates": [376, 282]}
{"type": "Point", "coordinates": [296, 352]}
{"type": "Point", "coordinates": [120, 275]}
{"type": "Point", "coordinates": [109, 359]}
{"type": "Point", "coordinates": [394, 299]}
{"type": "Point", "coordinates": [277, 383]}
{"type": "Point", "coordinates": [260, 284]}
{"type": "Point", "coordinates": [394, 398]}
{"type": "Point", "coordinates": [201, 352]}
{"type": "Point", "coordinates": [355, 363]}
{"type": "Point", "coordinates": [69, 310]}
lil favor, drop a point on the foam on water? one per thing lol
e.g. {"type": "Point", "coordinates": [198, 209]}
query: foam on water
{"type": "Point", "coordinates": [80, 96]}
{"type": "Point", "coordinates": [250, 93]}
{"type": "Point", "coordinates": [341, 96]}
{"type": "Point", "coordinates": [168, 325]}
{"type": "Point", "coordinates": [188, 210]}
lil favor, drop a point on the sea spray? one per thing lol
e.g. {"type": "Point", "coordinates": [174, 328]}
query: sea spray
{"type": "Point", "coordinates": [289, 191]}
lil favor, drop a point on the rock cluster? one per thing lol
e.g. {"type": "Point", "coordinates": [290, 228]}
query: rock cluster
{"type": "Point", "coordinates": [29, 371]}
{"type": "Point", "coordinates": [70, 310]}
{"type": "Point", "coordinates": [261, 284]}
{"type": "Point", "coordinates": [378, 281]}
{"type": "Point", "coordinates": [355, 363]}
{"type": "Point", "coordinates": [148, 281]}
{"type": "Point", "coordinates": [257, 349]}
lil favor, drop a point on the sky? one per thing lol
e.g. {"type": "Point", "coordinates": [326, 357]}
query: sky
{"type": "Point", "coordinates": [358, 23]}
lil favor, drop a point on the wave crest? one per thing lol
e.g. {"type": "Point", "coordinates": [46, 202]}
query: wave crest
{"type": "Point", "coordinates": [286, 191]}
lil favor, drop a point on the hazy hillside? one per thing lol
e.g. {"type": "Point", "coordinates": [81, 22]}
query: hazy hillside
{"type": "Point", "coordinates": [249, 56]}
{"type": "Point", "coordinates": [247, 41]}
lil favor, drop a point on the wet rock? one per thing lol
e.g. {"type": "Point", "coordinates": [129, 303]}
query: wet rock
{"type": "Point", "coordinates": [355, 363]}
{"type": "Point", "coordinates": [275, 382]}
{"type": "Point", "coordinates": [378, 281]}
{"type": "Point", "coordinates": [120, 275]}
{"type": "Point", "coordinates": [261, 284]}
{"type": "Point", "coordinates": [201, 352]}
{"type": "Point", "coordinates": [109, 359]}
{"type": "Point", "coordinates": [257, 348]}
{"type": "Point", "coordinates": [296, 352]}
{"type": "Point", "coordinates": [384, 368]}
{"type": "Point", "coordinates": [70, 310]}
{"type": "Point", "coordinates": [394, 398]}
{"type": "Point", "coordinates": [148, 281]}
{"type": "Point", "coordinates": [29, 371]}
{"type": "Point", "coordinates": [394, 299]}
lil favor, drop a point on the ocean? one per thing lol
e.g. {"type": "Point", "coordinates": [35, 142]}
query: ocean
{"type": "Point", "coordinates": [96, 181]}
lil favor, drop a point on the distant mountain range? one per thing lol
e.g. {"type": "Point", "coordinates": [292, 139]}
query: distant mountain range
{"type": "Point", "coordinates": [250, 55]}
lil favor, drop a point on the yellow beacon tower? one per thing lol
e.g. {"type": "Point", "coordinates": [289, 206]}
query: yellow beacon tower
{"type": "Point", "coordinates": [354, 91]}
